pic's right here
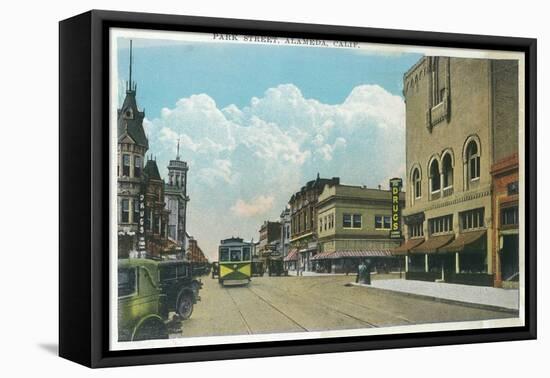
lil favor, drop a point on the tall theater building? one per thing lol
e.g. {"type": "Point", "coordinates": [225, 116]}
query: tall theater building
{"type": "Point", "coordinates": [460, 216]}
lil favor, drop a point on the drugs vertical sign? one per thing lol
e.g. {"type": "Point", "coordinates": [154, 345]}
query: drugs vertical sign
{"type": "Point", "coordinates": [395, 188]}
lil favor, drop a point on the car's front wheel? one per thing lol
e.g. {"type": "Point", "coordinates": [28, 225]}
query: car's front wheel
{"type": "Point", "coordinates": [185, 306]}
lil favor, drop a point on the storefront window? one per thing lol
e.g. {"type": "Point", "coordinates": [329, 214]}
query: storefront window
{"type": "Point", "coordinates": [417, 263]}
{"type": "Point", "coordinates": [473, 262]}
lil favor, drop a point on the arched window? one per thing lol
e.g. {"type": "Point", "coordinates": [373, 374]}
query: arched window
{"type": "Point", "coordinates": [473, 160]}
{"type": "Point", "coordinates": [435, 177]}
{"type": "Point", "coordinates": [417, 183]}
{"type": "Point", "coordinates": [447, 168]}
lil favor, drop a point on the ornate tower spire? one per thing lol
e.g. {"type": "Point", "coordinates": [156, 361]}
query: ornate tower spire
{"type": "Point", "coordinates": [178, 153]}
{"type": "Point", "coordinates": [130, 86]}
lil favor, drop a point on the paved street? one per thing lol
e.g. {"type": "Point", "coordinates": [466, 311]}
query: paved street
{"type": "Point", "coordinates": [288, 304]}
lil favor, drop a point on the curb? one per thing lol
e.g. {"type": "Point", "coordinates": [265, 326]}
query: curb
{"type": "Point", "coordinates": [480, 306]}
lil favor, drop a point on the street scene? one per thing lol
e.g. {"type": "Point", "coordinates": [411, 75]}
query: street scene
{"type": "Point", "coordinates": [305, 304]}
{"type": "Point", "coordinates": [275, 205]}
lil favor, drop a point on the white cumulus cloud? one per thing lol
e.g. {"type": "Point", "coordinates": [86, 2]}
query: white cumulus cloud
{"type": "Point", "coordinates": [247, 161]}
{"type": "Point", "coordinates": [259, 205]}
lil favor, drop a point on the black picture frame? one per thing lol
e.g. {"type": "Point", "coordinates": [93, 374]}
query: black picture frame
{"type": "Point", "coordinates": [84, 205]}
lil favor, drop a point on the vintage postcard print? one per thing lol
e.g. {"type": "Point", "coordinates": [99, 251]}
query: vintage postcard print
{"type": "Point", "coordinates": [269, 188]}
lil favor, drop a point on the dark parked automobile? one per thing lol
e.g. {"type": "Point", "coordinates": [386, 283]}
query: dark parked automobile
{"type": "Point", "coordinates": [179, 283]}
{"type": "Point", "coordinates": [200, 269]}
{"type": "Point", "coordinates": [258, 269]}
{"type": "Point", "coordinates": [276, 268]}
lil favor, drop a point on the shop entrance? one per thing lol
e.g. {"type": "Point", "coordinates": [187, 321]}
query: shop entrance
{"type": "Point", "coordinates": [442, 262]}
{"type": "Point", "coordinates": [509, 258]}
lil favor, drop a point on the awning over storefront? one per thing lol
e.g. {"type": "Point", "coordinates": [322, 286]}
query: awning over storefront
{"type": "Point", "coordinates": [322, 255]}
{"type": "Point", "coordinates": [355, 253]}
{"type": "Point", "coordinates": [292, 255]}
{"type": "Point", "coordinates": [407, 246]}
{"type": "Point", "coordinates": [432, 244]}
{"type": "Point", "coordinates": [358, 253]}
{"type": "Point", "coordinates": [463, 241]}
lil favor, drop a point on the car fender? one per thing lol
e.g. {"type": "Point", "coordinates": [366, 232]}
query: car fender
{"type": "Point", "coordinates": [145, 319]}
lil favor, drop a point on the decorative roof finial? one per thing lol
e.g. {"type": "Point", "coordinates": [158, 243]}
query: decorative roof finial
{"type": "Point", "coordinates": [178, 153]}
{"type": "Point", "coordinates": [129, 86]}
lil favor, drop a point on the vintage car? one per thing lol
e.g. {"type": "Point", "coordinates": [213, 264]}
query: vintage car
{"type": "Point", "coordinates": [258, 269]}
{"type": "Point", "coordinates": [200, 269]}
{"type": "Point", "coordinates": [149, 291]}
{"type": "Point", "coordinates": [215, 269]}
{"type": "Point", "coordinates": [141, 305]}
{"type": "Point", "coordinates": [179, 283]}
{"type": "Point", "coordinates": [275, 267]}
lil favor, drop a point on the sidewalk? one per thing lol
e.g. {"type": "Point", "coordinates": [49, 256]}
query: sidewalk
{"type": "Point", "coordinates": [476, 295]}
{"type": "Point", "coordinates": [315, 274]}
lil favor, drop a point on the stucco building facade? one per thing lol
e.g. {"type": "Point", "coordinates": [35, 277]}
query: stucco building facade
{"type": "Point", "coordinates": [456, 115]}
{"type": "Point", "coordinates": [354, 224]}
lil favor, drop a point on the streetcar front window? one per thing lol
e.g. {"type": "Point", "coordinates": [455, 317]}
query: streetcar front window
{"type": "Point", "coordinates": [224, 254]}
{"type": "Point", "coordinates": [235, 255]}
{"type": "Point", "coordinates": [246, 253]}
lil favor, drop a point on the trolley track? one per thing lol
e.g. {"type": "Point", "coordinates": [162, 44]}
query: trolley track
{"type": "Point", "coordinates": [326, 298]}
{"type": "Point", "coordinates": [248, 329]}
{"type": "Point", "coordinates": [331, 308]}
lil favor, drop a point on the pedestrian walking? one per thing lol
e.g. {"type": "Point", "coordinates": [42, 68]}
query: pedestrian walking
{"type": "Point", "coordinates": [362, 274]}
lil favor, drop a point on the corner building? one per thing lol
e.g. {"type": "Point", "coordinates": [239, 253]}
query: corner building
{"type": "Point", "coordinates": [132, 146]}
{"type": "Point", "coordinates": [455, 108]}
{"type": "Point", "coordinates": [354, 224]}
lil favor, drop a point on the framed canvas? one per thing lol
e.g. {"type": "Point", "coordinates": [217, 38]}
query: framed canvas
{"type": "Point", "coordinates": [235, 188]}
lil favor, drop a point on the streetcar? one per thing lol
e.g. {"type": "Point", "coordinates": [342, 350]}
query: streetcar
{"type": "Point", "coordinates": [234, 261]}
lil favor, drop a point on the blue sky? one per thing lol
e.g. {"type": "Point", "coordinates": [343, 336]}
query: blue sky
{"type": "Point", "coordinates": [257, 121]}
